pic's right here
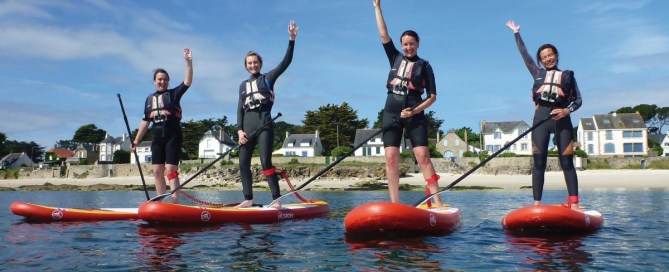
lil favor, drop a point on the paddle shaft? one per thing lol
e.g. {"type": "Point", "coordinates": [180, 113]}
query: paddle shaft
{"type": "Point", "coordinates": [507, 145]}
{"type": "Point", "coordinates": [127, 126]}
{"type": "Point", "coordinates": [253, 134]}
{"type": "Point", "coordinates": [345, 155]}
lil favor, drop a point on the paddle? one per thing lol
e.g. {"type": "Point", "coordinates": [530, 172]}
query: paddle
{"type": "Point", "coordinates": [507, 145]}
{"type": "Point", "coordinates": [163, 196]}
{"type": "Point", "coordinates": [344, 156]}
{"type": "Point", "coordinates": [146, 191]}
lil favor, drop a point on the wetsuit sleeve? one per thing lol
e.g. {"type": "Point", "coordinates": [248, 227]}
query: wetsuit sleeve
{"type": "Point", "coordinates": [529, 62]}
{"type": "Point", "coordinates": [273, 75]}
{"type": "Point", "coordinates": [179, 91]}
{"type": "Point", "coordinates": [145, 116]}
{"type": "Point", "coordinates": [430, 83]}
{"type": "Point", "coordinates": [240, 111]}
{"type": "Point", "coordinates": [391, 52]}
{"type": "Point", "coordinates": [576, 103]}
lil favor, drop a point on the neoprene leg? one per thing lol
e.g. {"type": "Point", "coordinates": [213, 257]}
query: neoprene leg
{"type": "Point", "coordinates": [245, 155]}
{"type": "Point", "coordinates": [540, 137]}
{"type": "Point", "coordinates": [565, 141]}
{"type": "Point", "coordinates": [265, 141]}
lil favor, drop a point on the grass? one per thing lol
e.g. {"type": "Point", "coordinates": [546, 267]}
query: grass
{"type": "Point", "coordinates": [599, 165]}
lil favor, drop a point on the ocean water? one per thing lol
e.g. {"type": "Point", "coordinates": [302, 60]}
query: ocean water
{"type": "Point", "coordinates": [635, 237]}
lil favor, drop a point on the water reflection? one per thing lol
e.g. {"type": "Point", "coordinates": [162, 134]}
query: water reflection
{"type": "Point", "coordinates": [160, 245]}
{"type": "Point", "coordinates": [550, 252]}
{"type": "Point", "coordinates": [394, 253]}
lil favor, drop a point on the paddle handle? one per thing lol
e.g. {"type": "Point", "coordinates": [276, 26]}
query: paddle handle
{"type": "Point", "coordinates": [127, 126]}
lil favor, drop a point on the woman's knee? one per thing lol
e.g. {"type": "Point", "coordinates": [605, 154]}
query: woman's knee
{"type": "Point", "coordinates": [422, 154]}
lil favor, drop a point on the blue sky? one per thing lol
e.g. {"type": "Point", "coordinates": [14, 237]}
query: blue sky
{"type": "Point", "coordinates": [63, 62]}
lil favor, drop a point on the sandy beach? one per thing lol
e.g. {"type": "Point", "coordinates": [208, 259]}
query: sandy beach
{"type": "Point", "coordinates": [588, 180]}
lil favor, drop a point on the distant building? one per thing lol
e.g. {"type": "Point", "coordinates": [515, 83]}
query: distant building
{"type": "Point", "coordinates": [303, 145]}
{"type": "Point", "coordinates": [615, 134]}
{"type": "Point", "coordinates": [374, 145]}
{"type": "Point", "coordinates": [16, 160]}
{"type": "Point", "coordinates": [497, 134]}
{"type": "Point", "coordinates": [214, 143]}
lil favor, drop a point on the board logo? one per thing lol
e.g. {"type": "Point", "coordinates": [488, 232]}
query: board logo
{"type": "Point", "coordinates": [205, 216]}
{"type": "Point", "coordinates": [587, 220]}
{"type": "Point", "coordinates": [433, 220]}
{"type": "Point", "coordinates": [285, 216]}
{"type": "Point", "coordinates": [57, 214]}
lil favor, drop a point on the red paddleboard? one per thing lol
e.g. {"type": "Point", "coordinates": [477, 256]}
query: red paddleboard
{"type": "Point", "coordinates": [402, 219]}
{"type": "Point", "coordinates": [53, 214]}
{"type": "Point", "coordinates": [160, 212]}
{"type": "Point", "coordinates": [552, 218]}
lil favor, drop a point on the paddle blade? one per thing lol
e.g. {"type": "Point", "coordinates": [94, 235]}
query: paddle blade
{"type": "Point", "coordinates": [159, 198]}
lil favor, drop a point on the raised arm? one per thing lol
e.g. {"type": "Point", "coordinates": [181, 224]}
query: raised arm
{"type": "Point", "coordinates": [527, 58]}
{"type": "Point", "coordinates": [188, 56]}
{"type": "Point", "coordinates": [380, 23]}
{"type": "Point", "coordinates": [287, 59]}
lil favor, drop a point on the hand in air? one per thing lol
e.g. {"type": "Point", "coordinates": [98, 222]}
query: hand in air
{"type": "Point", "coordinates": [512, 25]}
{"type": "Point", "coordinates": [188, 56]}
{"type": "Point", "coordinates": [377, 3]}
{"type": "Point", "coordinates": [292, 30]}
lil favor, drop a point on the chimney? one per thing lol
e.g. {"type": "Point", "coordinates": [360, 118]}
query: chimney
{"type": "Point", "coordinates": [220, 134]}
{"type": "Point", "coordinates": [438, 134]}
{"type": "Point", "coordinates": [287, 134]}
{"type": "Point", "coordinates": [317, 134]}
{"type": "Point", "coordinates": [124, 137]}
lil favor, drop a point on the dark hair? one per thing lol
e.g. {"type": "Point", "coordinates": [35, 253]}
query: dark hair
{"type": "Point", "coordinates": [410, 33]}
{"type": "Point", "coordinates": [548, 45]}
{"type": "Point", "coordinates": [251, 54]}
{"type": "Point", "coordinates": [158, 71]}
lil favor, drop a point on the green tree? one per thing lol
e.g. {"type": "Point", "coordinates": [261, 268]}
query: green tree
{"type": "Point", "coordinates": [433, 125]}
{"type": "Point", "coordinates": [65, 144]}
{"type": "Point", "coordinates": [330, 118]}
{"type": "Point", "coordinates": [121, 156]}
{"type": "Point", "coordinates": [3, 151]}
{"type": "Point", "coordinates": [280, 129]}
{"type": "Point", "coordinates": [193, 132]}
{"type": "Point", "coordinates": [89, 134]}
{"type": "Point", "coordinates": [379, 120]}
{"type": "Point", "coordinates": [32, 149]}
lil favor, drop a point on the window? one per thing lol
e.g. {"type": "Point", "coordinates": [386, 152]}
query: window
{"type": "Point", "coordinates": [208, 143]}
{"type": "Point", "coordinates": [666, 144]}
{"type": "Point", "coordinates": [304, 153]}
{"type": "Point", "coordinates": [290, 144]}
{"type": "Point", "coordinates": [589, 136]}
{"type": "Point", "coordinates": [523, 147]}
{"type": "Point", "coordinates": [606, 121]}
{"type": "Point", "coordinates": [638, 147]}
{"type": "Point", "coordinates": [378, 150]}
{"type": "Point", "coordinates": [513, 147]}
{"type": "Point", "coordinates": [609, 148]}
{"type": "Point", "coordinates": [632, 147]}
{"type": "Point", "coordinates": [627, 134]}
{"type": "Point", "coordinates": [637, 134]}
{"type": "Point", "coordinates": [372, 140]}
{"type": "Point", "coordinates": [498, 135]}
{"type": "Point", "coordinates": [609, 135]}
{"type": "Point", "coordinates": [457, 142]}
{"type": "Point", "coordinates": [445, 142]}
{"type": "Point", "coordinates": [591, 149]}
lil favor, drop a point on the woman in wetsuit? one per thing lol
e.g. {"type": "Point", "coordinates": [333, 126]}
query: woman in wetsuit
{"type": "Point", "coordinates": [163, 108]}
{"type": "Point", "coordinates": [409, 77]}
{"type": "Point", "coordinates": [256, 97]}
{"type": "Point", "coordinates": [554, 93]}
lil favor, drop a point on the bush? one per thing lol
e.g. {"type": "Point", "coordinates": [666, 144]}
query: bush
{"type": "Point", "coordinates": [121, 156]}
{"type": "Point", "coordinates": [406, 155]}
{"type": "Point", "coordinates": [293, 161]}
{"type": "Point", "coordinates": [580, 153]}
{"type": "Point", "coordinates": [340, 151]}
{"type": "Point", "coordinates": [507, 154]}
{"type": "Point", "coordinates": [434, 153]}
{"type": "Point", "coordinates": [484, 155]}
{"type": "Point", "coordinates": [468, 154]}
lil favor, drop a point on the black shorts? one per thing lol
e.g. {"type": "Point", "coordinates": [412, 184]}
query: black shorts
{"type": "Point", "coordinates": [416, 128]}
{"type": "Point", "coordinates": [167, 143]}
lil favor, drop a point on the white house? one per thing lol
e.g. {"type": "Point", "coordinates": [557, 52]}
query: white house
{"type": "Point", "coordinates": [615, 134]}
{"type": "Point", "coordinates": [374, 146]}
{"type": "Point", "coordinates": [304, 145]}
{"type": "Point", "coordinates": [143, 150]}
{"type": "Point", "coordinates": [214, 143]}
{"type": "Point", "coordinates": [497, 134]}
{"type": "Point", "coordinates": [665, 145]}
{"type": "Point", "coordinates": [110, 144]}
{"type": "Point", "coordinates": [16, 160]}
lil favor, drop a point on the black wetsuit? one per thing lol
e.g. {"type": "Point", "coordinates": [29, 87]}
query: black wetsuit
{"type": "Point", "coordinates": [563, 129]}
{"type": "Point", "coordinates": [167, 135]}
{"type": "Point", "coordinates": [416, 125]}
{"type": "Point", "coordinates": [251, 119]}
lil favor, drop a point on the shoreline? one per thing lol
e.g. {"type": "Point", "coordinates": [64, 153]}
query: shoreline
{"type": "Point", "coordinates": [588, 180]}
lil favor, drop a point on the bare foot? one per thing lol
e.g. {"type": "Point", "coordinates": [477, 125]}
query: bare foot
{"type": "Point", "coordinates": [245, 204]}
{"type": "Point", "coordinates": [175, 199]}
{"type": "Point", "coordinates": [439, 206]}
{"type": "Point", "coordinates": [575, 207]}
{"type": "Point", "coordinates": [276, 205]}
{"type": "Point", "coordinates": [537, 203]}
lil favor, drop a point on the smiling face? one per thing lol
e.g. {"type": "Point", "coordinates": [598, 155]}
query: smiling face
{"type": "Point", "coordinates": [548, 58]}
{"type": "Point", "coordinates": [409, 46]}
{"type": "Point", "coordinates": [253, 63]}
{"type": "Point", "coordinates": [161, 80]}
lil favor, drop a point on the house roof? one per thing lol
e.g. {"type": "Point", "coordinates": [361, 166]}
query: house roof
{"type": "Point", "coordinates": [87, 147]}
{"type": "Point", "coordinates": [298, 139]}
{"type": "Point", "coordinates": [506, 127]}
{"type": "Point", "coordinates": [144, 144]}
{"type": "Point", "coordinates": [363, 134]}
{"type": "Point", "coordinates": [657, 137]}
{"type": "Point", "coordinates": [221, 137]}
{"type": "Point", "coordinates": [62, 153]}
{"type": "Point", "coordinates": [619, 121]}
{"type": "Point", "coordinates": [588, 124]}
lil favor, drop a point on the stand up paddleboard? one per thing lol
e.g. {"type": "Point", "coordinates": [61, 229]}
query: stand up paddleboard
{"type": "Point", "coordinates": [552, 218]}
{"type": "Point", "coordinates": [53, 214]}
{"type": "Point", "coordinates": [401, 219]}
{"type": "Point", "coordinates": [160, 212]}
